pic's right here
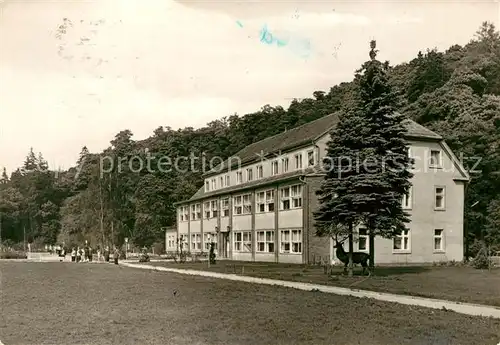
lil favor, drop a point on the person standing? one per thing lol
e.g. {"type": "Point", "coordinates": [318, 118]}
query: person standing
{"type": "Point", "coordinates": [116, 255]}
{"type": "Point", "coordinates": [106, 254]}
{"type": "Point", "coordinates": [73, 255]}
{"type": "Point", "coordinates": [78, 254]}
{"type": "Point", "coordinates": [90, 254]}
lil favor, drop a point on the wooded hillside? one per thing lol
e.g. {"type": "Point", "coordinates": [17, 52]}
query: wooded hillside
{"type": "Point", "coordinates": [455, 93]}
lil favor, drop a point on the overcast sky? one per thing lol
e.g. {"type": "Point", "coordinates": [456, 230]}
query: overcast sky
{"type": "Point", "coordinates": [140, 64]}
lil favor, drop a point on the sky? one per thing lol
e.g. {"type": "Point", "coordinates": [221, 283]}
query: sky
{"type": "Point", "coordinates": [141, 64]}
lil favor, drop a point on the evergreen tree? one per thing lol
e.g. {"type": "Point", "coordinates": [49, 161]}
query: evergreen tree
{"type": "Point", "coordinates": [384, 177]}
{"type": "Point", "coordinates": [336, 215]}
{"type": "Point", "coordinates": [30, 163]}
{"type": "Point", "coordinates": [4, 179]}
{"type": "Point", "coordinates": [367, 163]}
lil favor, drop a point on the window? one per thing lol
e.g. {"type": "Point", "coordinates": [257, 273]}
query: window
{"type": "Point", "coordinates": [238, 205]}
{"type": "Point", "coordinates": [183, 243]}
{"type": "Point", "coordinates": [243, 241]}
{"type": "Point", "coordinates": [260, 171]}
{"type": "Point", "coordinates": [363, 239]}
{"type": "Point", "coordinates": [184, 213]}
{"type": "Point", "coordinates": [228, 180]}
{"type": "Point", "coordinates": [291, 197]}
{"type": "Point", "coordinates": [291, 241]}
{"type": "Point", "coordinates": [265, 241]}
{"type": "Point", "coordinates": [265, 201]}
{"type": "Point", "coordinates": [221, 181]}
{"type": "Point", "coordinates": [274, 168]}
{"type": "Point", "coordinates": [214, 184]}
{"type": "Point", "coordinates": [239, 177]}
{"type": "Point", "coordinates": [298, 161]}
{"type": "Point", "coordinates": [209, 237]}
{"type": "Point", "coordinates": [207, 186]}
{"type": "Point", "coordinates": [438, 240]}
{"type": "Point", "coordinates": [215, 208]}
{"type": "Point", "coordinates": [249, 174]}
{"type": "Point", "coordinates": [310, 158]}
{"type": "Point", "coordinates": [171, 242]}
{"type": "Point", "coordinates": [435, 159]}
{"type": "Point", "coordinates": [402, 242]}
{"type": "Point", "coordinates": [439, 198]}
{"type": "Point", "coordinates": [195, 242]}
{"type": "Point", "coordinates": [407, 199]}
{"type": "Point", "coordinates": [195, 211]}
{"type": "Point", "coordinates": [247, 204]}
{"type": "Point", "coordinates": [225, 207]}
{"type": "Point", "coordinates": [242, 204]}
{"type": "Point", "coordinates": [284, 163]}
{"type": "Point", "coordinates": [206, 209]}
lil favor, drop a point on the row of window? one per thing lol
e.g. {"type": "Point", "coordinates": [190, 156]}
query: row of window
{"type": "Point", "coordinates": [435, 161]}
{"type": "Point", "coordinates": [290, 241]}
{"type": "Point", "coordinates": [276, 168]}
{"type": "Point", "coordinates": [290, 197]}
{"type": "Point", "coordinates": [439, 198]}
{"type": "Point", "coordinates": [401, 242]}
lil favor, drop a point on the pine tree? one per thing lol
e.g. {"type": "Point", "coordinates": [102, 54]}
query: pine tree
{"type": "Point", "coordinates": [31, 162]}
{"type": "Point", "coordinates": [384, 177]}
{"type": "Point", "coordinates": [367, 164]}
{"type": "Point", "coordinates": [336, 215]}
{"type": "Point", "coordinates": [42, 164]}
{"type": "Point", "coordinates": [4, 179]}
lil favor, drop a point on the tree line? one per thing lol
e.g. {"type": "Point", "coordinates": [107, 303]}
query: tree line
{"type": "Point", "coordinates": [455, 93]}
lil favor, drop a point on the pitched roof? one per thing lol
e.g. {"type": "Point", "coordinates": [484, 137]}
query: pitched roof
{"type": "Point", "coordinates": [287, 140]}
{"type": "Point", "coordinates": [302, 135]}
{"type": "Point", "coordinates": [201, 194]}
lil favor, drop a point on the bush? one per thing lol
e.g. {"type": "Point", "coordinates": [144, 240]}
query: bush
{"type": "Point", "coordinates": [482, 260]}
{"type": "Point", "coordinates": [144, 257]}
{"type": "Point", "coordinates": [13, 255]}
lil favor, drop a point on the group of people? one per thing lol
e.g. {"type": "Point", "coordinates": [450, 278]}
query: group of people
{"type": "Point", "coordinates": [85, 254]}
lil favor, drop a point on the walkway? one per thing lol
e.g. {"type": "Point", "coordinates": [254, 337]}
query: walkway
{"type": "Point", "coordinates": [463, 308]}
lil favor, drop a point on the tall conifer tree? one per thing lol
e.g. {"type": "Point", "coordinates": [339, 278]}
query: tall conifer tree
{"type": "Point", "coordinates": [367, 162]}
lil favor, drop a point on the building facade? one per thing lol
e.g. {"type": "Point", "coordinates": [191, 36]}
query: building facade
{"type": "Point", "coordinates": [259, 204]}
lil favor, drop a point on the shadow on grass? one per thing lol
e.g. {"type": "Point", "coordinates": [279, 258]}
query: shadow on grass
{"type": "Point", "coordinates": [388, 271]}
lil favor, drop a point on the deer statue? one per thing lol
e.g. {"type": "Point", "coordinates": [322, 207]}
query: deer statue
{"type": "Point", "coordinates": [357, 257]}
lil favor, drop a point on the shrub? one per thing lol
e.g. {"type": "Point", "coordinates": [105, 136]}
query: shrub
{"type": "Point", "coordinates": [144, 257]}
{"type": "Point", "coordinates": [482, 260]}
{"type": "Point", "coordinates": [13, 255]}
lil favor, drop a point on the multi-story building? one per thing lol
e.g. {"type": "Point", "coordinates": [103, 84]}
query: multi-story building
{"type": "Point", "coordinates": [258, 205]}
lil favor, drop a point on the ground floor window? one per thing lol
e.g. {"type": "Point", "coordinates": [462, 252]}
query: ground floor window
{"type": "Point", "coordinates": [438, 240]}
{"type": "Point", "coordinates": [291, 241]}
{"type": "Point", "coordinates": [195, 241]}
{"type": "Point", "coordinates": [362, 239]}
{"type": "Point", "coordinates": [209, 237]}
{"type": "Point", "coordinates": [243, 241]}
{"type": "Point", "coordinates": [265, 241]}
{"type": "Point", "coordinates": [171, 242]}
{"type": "Point", "coordinates": [402, 242]}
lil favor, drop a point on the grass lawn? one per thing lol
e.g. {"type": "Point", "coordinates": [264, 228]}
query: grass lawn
{"type": "Point", "coordinates": [65, 303]}
{"type": "Point", "coordinates": [462, 284]}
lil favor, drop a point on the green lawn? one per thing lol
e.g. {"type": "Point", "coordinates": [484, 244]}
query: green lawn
{"type": "Point", "coordinates": [65, 303]}
{"type": "Point", "coordinates": [462, 284]}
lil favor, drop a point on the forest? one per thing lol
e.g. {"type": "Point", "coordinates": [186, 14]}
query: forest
{"type": "Point", "coordinates": [455, 93]}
